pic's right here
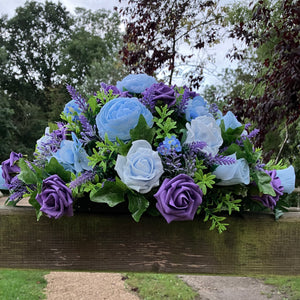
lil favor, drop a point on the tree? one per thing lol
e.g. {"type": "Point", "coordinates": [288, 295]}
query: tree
{"type": "Point", "coordinates": [157, 31]}
{"type": "Point", "coordinates": [92, 52]}
{"type": "Point", "coordinates": [42, 48]}
{"type": "Point", "coordinates": [273, 31]}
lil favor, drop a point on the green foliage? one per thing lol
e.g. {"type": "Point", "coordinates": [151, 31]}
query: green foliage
{"type": "Point", "coordinates": [111, 193]}
{"type": "Point", "coordinates": [137, 205]}
{"type": "Point", "coordinates": [142, 131]}
{"type": "Point", "coordinates": [230, 135]}
{"type": "Point", "coordinates": [217, 204]}
{"type": "Point", "coordinates": [105, 156]}
{"type": "Point", "coordinates": [164, 122]}
{"type": "Point", "coordinates": [204, 180]}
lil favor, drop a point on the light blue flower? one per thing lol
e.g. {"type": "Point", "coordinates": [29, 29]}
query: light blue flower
{"type": "Point", "coordinates": [136, 83]}
{"type": "Point", "coordinates": [72, 156]}
{"type": "Point", "coordinates": [230, 121]}
{"type": "Point", "coordinates": [3, 185]}
{"type": "Point", "coordinates": [169, 144]}
{"type": "Point", "coordinates": [196, 107]}
{"type": "Point", "coordinates": [72, 108]}
{"type": "Point", "coordinates": [141, 169]}
{"type": "Point", "coordinates": [287, 177]}
{"type": "Point", "coordinates": [118, 116]}
{"type": "Point", "coordinates": [205, 129]}
{"type": "Point", "coordinates": [236, 173]}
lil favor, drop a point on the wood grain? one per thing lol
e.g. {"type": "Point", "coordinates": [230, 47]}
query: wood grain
{"type": "Point", "coordinates": [253, 244]}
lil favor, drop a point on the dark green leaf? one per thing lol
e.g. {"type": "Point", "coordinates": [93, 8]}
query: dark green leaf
{"type": "Point", "coordinates": [111, 193]}
{"type": "Point", "coordinates": [53, 167]}
{"type": "Point", "coordinates": [142, 131]}
{"type": "Point", "coordinates": [27, 175]}
{"type": "Point", "coordinates": [263, 180]}
{"type": "Point", "coordinates": [137, 205]}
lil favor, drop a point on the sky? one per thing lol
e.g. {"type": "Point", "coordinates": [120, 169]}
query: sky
{"type": "Point", "coordinates": [8, 7]}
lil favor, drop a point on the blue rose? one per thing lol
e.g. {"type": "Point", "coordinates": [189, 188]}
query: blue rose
{"type": "Point", "coordinates": [236, 173]}
{"type": "Point", "coordinates": [136, 83]}
{"type": "Point", "coordinates": [196, 107]}
{"type": "Point", "coordinates": [118, 116]}
{"type": "Point", "coordinates": [72, 108]}
{"type": "Point", "coordinates": [287, 177]}
{"type": "Point", "coordinates": [141, 169]}
{"type": "Point", "coordinates": [230, 121]}
{"type": "Point", "coordinates": [3, 185]}
{"type": "Point", "coordinates": [72, 156]}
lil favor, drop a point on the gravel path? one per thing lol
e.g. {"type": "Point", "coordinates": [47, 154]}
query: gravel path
{"type": "Point", "coordinates": [110, 286]}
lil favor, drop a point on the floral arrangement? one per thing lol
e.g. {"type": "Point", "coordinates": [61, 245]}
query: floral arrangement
{"type": "Point", "coordinates": [161, 150]}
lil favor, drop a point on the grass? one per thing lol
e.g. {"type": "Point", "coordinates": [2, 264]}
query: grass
{"type": "Point", "coordinates": [22, 284]}
{"type": "Point", "coordinates": [287, 285]}
{"type": "Point", "coordinates": [159, 286]}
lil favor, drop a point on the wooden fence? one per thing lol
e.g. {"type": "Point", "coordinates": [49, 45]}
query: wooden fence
{"type": "Point", "coordinates": [253, 244]}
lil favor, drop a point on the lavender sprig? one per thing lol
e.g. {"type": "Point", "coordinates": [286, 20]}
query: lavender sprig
{"type": "Point", "coordinates": [186, 96]}
{"type": "Point", "coordinates": [89, 131]}
{"type": "Point", "coordinates": [219, 159]}
{"type": "Point", "coordinates": [172, 162]}
{"type": "Point", "coordinates": [78, 98]}
{"type": "Point", "coordinates": [83, 178]}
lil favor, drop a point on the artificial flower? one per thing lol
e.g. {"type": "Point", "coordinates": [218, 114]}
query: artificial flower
{"type": "Point", "coordinates": [178, 198]}
{"type": "Point", "coordinates": [135, 83]}
{"type": "Point", "coordinates": [119, 116]}
{"type": "Point", "coordinates": [55, 198]}
{"type": "Point", "coordinates": [205, 129]}
{"type": "Point", "coordinates": [141, 169]}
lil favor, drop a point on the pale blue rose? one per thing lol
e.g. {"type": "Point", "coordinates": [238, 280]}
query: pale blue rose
{"type": "Point", "coordinates": [119, 115]}
{"type": "Point", "coordinates": [196, 107]}
{"type": "Point", "coordinates": [230, 121]}
{"type": "Point", "coordinates": [72, 156]}
{"type": "Point", "coordinates": [72, 108]}
{"type": "Point", "coordinates": [236, 173]}
{"type": "Point", "coordinates": [44, 139]}
{"type": "Point", "coordinates": [136, 83]}
{"type": "Point", "coordinates": [287, 177]}
{"type": "Point", "coordinates": [3, 185]}
{"type": "Point", "coordinates": [205, 129]}
{"type": "Point", "coordinates": [141, 169]}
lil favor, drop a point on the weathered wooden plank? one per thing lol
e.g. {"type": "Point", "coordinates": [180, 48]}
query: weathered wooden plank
{"type": "Point", "coordinates": [253, 244]}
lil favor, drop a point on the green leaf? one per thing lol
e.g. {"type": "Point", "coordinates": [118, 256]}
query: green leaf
{"type": "Point", "coordinates": [137, 205]}
{"type": "Point", "coordinates": [27, 175]}
{"type": "Point", "coordinates": [263, 180]}
{"type": "Point", "coordinates": [33, 202]}
{"type": "Point", "coordinates": [142, 131]}
{"type": "Point", "coordinates": [112, 193]}
{"type": "Point", "coordinates": [53, 167]}
{"type": "Point", "coordinates": [230, 135]}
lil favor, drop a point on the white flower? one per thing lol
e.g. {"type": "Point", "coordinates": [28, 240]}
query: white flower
{"type": "Point", "coordinates": [205, 129]}
{"type": "Point", "coordinates": [44, 139]}
{"type": "Point", "coordinates": [287, 177]}
{"type": "Point", "coordinates": [141, 169]}
{"type": "Point", "coordinates": [236, 173]}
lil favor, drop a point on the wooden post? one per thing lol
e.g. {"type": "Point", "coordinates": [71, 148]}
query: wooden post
{"type": "Point", "coordinates": [253, 244]}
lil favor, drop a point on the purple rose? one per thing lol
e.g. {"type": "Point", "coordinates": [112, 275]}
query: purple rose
{"type": "Point", "coordinates": [56, 198]}
{"type": "Point", "coordinates": [268, 200]}
{"type": "Point", "coordinates": [9, 167]}
{"type": "Point", "coordinates": [160, 92]}
{"type": "Point", "coordinates": [178, 198]}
